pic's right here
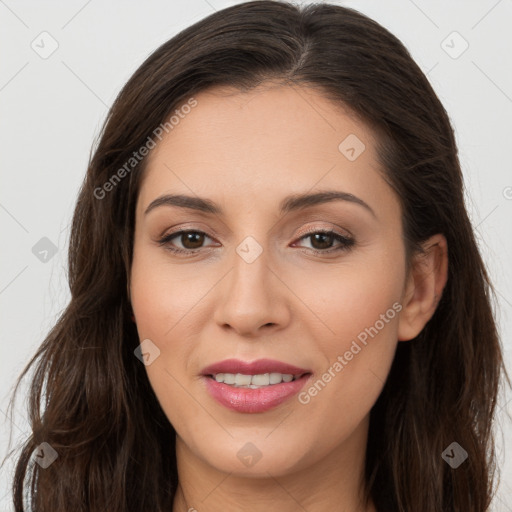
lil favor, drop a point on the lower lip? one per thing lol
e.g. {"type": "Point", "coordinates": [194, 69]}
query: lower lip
{"type": "Point", "coordinates": [254, 400]}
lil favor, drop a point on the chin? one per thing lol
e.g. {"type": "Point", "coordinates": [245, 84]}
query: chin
{"type": "Point", "coordinates": [255, 457]}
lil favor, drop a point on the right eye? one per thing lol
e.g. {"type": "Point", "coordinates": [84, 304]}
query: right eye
{"type": "Point", "coordinates": [191, 241]}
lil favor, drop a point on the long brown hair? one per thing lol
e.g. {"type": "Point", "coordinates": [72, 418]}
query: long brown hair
{"type": "Point", "coordinates": [90, 398]}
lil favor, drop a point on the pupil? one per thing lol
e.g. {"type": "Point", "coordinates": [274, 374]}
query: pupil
{"type": "Point", "coordinates": [196, 239]}
{"type": "Point", "coordinates": [320, 236]}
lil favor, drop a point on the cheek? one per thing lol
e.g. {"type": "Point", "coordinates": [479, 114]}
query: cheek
{"type": "Point", "coordinates": [351, 296]}
{"type": "Point", "coordinates": [162, 305]}
{"type": "Point", "coordinates": [169, 302]}
{"type": "Point", "coordinates": [165, 296]}
{"type": "Point", "coordinates": [356, 335]}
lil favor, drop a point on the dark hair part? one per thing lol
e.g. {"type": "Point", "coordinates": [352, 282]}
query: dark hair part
{"type": "Point", "coordinates": [90, 398]}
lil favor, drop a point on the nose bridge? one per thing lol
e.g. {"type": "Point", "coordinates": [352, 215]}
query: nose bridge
{"type": "Point", "coordinates": [250, 283]}
{"type": "Point", "coordinates": [251, 296]}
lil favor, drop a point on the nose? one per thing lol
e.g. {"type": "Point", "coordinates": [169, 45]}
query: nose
{"type": "Point", "coordinates": [253, 299]}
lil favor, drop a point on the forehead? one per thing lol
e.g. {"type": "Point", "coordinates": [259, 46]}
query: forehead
{"type": "Point", "coordinates": [269, 142]}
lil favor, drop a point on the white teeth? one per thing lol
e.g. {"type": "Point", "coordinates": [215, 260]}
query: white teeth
{"type": "Point", "coordinates": [253, 381]}
{"type": "Point", "coordinates": [260, 380]}
{"type": "Point", "coordinates": [229, 378]}
{"type": "Point", "coordinates": [242, 380]}
{"type": "Point", "coordinates": [275, 378]}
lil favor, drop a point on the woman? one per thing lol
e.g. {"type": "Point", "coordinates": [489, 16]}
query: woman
{"type": "Point", "coordinates": [277, 298]}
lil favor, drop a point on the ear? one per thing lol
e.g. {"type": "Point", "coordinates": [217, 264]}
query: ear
{"type": "Point", "coordinates": [424, 287]}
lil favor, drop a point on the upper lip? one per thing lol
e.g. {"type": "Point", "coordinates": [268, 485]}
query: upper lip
{"type": "Point", "coordinates": [258, 367]}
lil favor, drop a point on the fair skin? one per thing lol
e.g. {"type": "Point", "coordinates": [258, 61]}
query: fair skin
{"type": "Point", "coordinates": [246, 152]}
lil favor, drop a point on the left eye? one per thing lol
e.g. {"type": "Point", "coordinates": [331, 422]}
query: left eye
{"type": "Point", "coordinates": [321, 241]}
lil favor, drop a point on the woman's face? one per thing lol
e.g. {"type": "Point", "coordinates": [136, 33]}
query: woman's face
{"type": "Point", "coordinates": [257, 279]}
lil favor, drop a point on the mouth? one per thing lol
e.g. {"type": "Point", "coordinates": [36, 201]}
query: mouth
{"type": "Point", "coordinates": [261, 380]}
{"type": "Point", "coordinates": [253, 387]}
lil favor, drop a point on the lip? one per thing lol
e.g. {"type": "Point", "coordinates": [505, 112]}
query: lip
{"type": "Point", "coordinates": [247, 400]}
{"type": "Point", "coordinates": [257, 367]}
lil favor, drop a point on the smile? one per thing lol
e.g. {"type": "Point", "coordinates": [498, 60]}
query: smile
{"type": "Point", "coordinates": [240, 380]}
{"type": "Point", "coordinates": [253, 387]}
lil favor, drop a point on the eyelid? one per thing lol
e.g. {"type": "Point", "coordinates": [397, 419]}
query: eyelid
{"type": "Point", "coordinates": [333, 227]}
{"type": "Point", "coordinates": [345, 242]}
{"type": "Point", "coordinates": [165, 238]}
{"type": "Point", "coordinates": [302, 233]}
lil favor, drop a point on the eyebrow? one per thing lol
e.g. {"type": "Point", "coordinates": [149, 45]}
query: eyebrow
{"type": "Point", "coordinates": [288, 204]}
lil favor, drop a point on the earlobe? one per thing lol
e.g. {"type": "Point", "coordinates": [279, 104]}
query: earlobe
{"type": "Point", "coordinates": [424, 287]}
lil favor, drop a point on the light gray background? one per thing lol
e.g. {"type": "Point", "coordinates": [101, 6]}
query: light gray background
{"type": "Point", "coordinates": [51, 110]}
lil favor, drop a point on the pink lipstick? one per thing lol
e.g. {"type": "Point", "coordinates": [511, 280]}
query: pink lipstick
{"type": "Point", "coordinates": [253, 387]}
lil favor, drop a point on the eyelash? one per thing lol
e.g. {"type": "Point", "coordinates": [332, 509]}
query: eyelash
{"type": "Point", "coordinates": [346, 242]}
